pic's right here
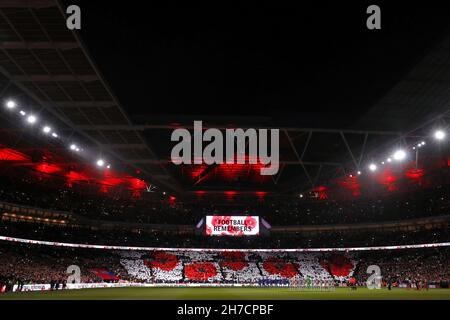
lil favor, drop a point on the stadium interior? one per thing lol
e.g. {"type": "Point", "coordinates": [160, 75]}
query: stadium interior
{"type": "Point", "coordinates": [88, 181]}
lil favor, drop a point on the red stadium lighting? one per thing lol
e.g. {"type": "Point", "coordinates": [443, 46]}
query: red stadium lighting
{"type": "Point", "coordinates": [7, 154]}
{"type": "Point", "coordinates": [48, 168]}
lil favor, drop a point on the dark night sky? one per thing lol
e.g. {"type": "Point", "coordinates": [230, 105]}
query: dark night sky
{"type": "Point", "coordinates": [260, 57]}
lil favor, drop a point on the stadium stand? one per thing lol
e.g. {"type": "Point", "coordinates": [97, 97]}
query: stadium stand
{"type": "Point", "coordinates": [428, 202]}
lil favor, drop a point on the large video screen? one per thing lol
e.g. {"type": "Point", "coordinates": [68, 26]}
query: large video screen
{"type": "Point", "coordinates": [232, 225]}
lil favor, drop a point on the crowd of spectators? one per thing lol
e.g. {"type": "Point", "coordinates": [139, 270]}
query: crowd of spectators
{"type": "Point", "coordinates": [409, 267]}
{"type": "Point", "coordinates": [168, 239]}
{"type": "Point", "coordinates": [22, 264]}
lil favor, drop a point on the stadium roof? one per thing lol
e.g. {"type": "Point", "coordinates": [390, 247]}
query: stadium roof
{"type": "Point", "coordinates": [45, 63]}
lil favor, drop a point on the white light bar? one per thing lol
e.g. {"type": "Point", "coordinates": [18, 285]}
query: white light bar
{"type": "Point", "coordinates": [95, 246]}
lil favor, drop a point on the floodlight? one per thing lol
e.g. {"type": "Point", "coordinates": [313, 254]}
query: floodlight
{"type": "Point", "coordinates": [439, 135]}
{"type": "Point", "coordinates": [100, 162]}
{"type": "Point", "coordinates": [399, 155]}
{"type": "Point", "coordinates": [31, 119]}
{"type": "Point", "coordinates": [10, 104]}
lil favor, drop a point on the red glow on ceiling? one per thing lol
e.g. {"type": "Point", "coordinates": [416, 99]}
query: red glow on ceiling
{"type": "Point", "coordinates": [195, 171]}
{"type": "Point", "coordinates": [70, 170]}
{"type": "Point", "coordinates": [235, 171]}
{"type": "Point", "coordinates": [7, 154]}
{"type": "Point", "coordinates": [47, 168]}
{"type": "Point", "coordinates": [415, 174]}
{"type": "Point", "coordinates": [320, 189]}
{"type": "Point", "coordinates": [261, 195]}
{"type": "Point", "coordinates": [200, 194]}
{"type": "Point", "coordinates": [76, 176]}
{"type": "Point", "coordinates": [112, 181]}
{"type": "Point", "coordinates": [321, 192]}
{"type": "Point", "coordinates": [351, 183]}
{"type": "Point", "coordinates": [136, 183]}
{"type": "Point", "coordinates": [172, 200]}
{"type": "Point", "coordinates": [388, 179]}
{"type": "Point", "coordinates": [229, 171]}
{"type": "Point", "coordinates": [136, 194]}
{"type": "Point", "coordinates": [230, 195]}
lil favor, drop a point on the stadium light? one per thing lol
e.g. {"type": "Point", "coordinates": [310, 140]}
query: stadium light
{"type": "Point", "coordinates": [389, 160]}
{"type": "Point", "coordinates": [359, 172]}
{"type": "Point", "coordinates": [10, 104]}
{"type": "Point", "coordinates": [439, 135]}
{"type": "Point", "coordinates": [301, 195]}
{"type": "Point", "coordinates": [373, 167]}
{"type": "Point", "coordinates": [108, 166]}
{"type": "Point", "coordinates": [54, 135]}
{"type": "Point", "coordinates": [399, 155]}
{"type": "Point", "coordinates": [100, 162]}
{"type": "Point", "coordinates": [73, 147]}
{"type": "Point", "coordinates": [22, 113]}
{"type": "Point", "coordinates": [46, 129]}
{"type": "Point", "coordinates": [31, 119]}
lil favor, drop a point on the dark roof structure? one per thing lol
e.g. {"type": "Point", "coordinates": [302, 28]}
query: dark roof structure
{"type": "Point", "coordinates": [48, 66]}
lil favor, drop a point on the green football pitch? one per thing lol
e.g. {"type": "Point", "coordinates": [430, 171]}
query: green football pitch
{"type": "Point", "coordinates": [230, 294]}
